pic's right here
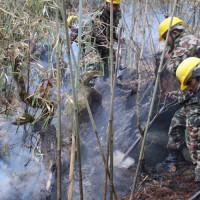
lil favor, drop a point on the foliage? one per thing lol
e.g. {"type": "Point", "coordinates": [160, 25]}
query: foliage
{"type": "Point", "coordinates": [23, 24]}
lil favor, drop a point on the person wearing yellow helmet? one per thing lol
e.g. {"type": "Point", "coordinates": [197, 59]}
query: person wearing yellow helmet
{"type": "Point", "coordinates": [101, 32]}
{"type": "Point", "coordinates": [114, 1]}
{"type": "Point", "coordinates": [73, 23]}
{"type": "Point", "coordinates": [164, 26]}
{"type": "Point", "coordinates": [96, 31]}
{"type": "Point", "coordinates": [181, 45]}
{"type": "Point", "coordinates": [71, 20]}
{"type": "Point", "coordinates": [188, 73]}
{"type": "Point", "coordinates": [116, 4]}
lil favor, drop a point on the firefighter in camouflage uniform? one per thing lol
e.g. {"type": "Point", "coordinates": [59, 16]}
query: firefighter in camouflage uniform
{"type": "Point", "coordinates": [188, 73]}
{"type": "Point", "coordinates": [181, 46]}
{"type": "Point", "coordinates": [96, 33]}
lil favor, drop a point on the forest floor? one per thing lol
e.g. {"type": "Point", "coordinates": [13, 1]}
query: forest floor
{"type": "Point", "coordinates": [178, 185]}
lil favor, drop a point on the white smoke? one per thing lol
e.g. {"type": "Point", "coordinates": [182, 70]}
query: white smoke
{"type": "Point", "coordinates": [18, 181]}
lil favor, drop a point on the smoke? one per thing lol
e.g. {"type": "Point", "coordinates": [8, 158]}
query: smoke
{"type": "Point", "coordinates": [21, 175]}
{"type": "Point", "coordinates": [25, 185]}
{"type": "Point", "coordinates": [5, 181]}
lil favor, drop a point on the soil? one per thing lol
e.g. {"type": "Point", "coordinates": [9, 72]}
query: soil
{"type": "Point", "coordinates": [179, 185]}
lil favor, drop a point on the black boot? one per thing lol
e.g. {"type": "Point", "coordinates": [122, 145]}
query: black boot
{"type": "Point", "coordinates": [171, 162]}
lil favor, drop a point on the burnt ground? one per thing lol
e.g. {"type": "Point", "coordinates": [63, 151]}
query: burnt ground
{"type": "Point", "coordinates": [179, 185]}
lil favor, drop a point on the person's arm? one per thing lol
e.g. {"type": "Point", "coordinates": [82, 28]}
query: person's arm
{"type": "Point", "coordinates": [98, 34]}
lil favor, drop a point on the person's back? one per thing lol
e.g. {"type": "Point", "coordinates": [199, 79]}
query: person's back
{"type": "Point", "coordinates": [101, 32]}
{"type": "Point", "coordinates": [96, 37]}
{"type": "Point", "coordinates": [101, 26]}
{"type": "Point", "coordinates": [185, 45]}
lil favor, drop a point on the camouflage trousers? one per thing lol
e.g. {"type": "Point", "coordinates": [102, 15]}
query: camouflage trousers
{"type": "Point", "coordinates": [185, 129]}
{"type": "Point", "coordinates": [104, 54]}
{"type": "Point", "coordinates": [97, 59]}
{"type": "Point", "coordinates": [177, 130]}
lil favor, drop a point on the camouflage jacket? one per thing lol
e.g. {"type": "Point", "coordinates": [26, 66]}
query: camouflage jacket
{"type": "Point", "coordinates": [186, 45]}
{"type": "Point", "coordinates": [97, 28]}
{"type": "Point", "coordinates": [101, 26]}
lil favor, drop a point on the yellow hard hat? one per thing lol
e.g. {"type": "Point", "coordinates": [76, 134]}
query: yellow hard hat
{"type": "Point", "coordinates": [164, 26]}
{"type": "Point", "coordinates": [114, 1]}
{"type": "Point", "coordinates": [70, 19]}
{"type": "Point", "coordinates": [185, 68]}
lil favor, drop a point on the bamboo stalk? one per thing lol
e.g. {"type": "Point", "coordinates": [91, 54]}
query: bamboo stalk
{"type": "Point", "coordinates": [193, 21]}
{"type": "Point", "coordinates": [71, 170]}
{"type": "Point", "coordinates": [112, 108]}
{"type": "Point", "coordinates": [58, 112]}
{"type": "Point", "coordinates": [133, 23]}
{"type": "Point", "coordinates": [111, 41]}
{"type": "Point", "coordinates": [139, 73]}
{"type": "Point", "coordinates": [151, 108]}
{"type": "Point", "coordinates": [75, 101]}
{"type": "Point", "coordinates": [135, 47]}
{"type": "Point", "coordinates": [168, 6]}
{"type": "Point", "coordinates": [79, 42]}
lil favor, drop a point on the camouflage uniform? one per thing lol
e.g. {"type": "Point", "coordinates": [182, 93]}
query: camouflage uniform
{"type": "Point", "coordinates": [192, 133]}
{"type": "Point", "coordinates": [96, 35]}
{"type": "Point", "coordinates": [101, 34]}
{"type": "Point", "coordinates": [186, 45]}
{"type": "Point", "coordinates": [90, 57]}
